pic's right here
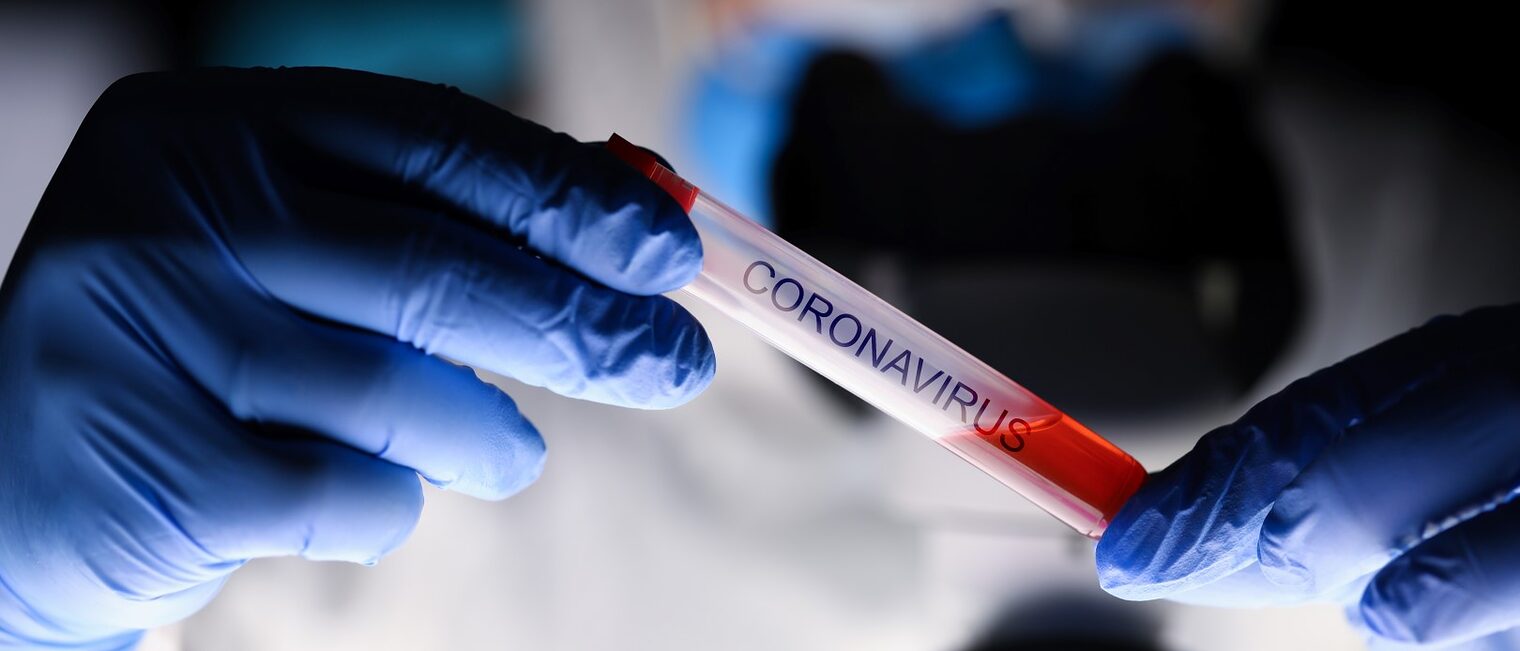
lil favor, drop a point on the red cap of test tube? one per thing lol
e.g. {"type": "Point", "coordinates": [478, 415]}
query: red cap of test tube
{"type": "Point", "coordinates": [684, 193]}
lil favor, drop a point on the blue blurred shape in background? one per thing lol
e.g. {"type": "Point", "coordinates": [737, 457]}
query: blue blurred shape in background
{"type": "Point", "coordinates": [970, 78]}
{"type": "Point", "coordinates": [736, 114]}
{"type": "Point", "coordinates": [476, 45]}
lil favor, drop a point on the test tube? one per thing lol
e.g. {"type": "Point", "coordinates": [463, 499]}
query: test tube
{"type": "Point", "coordinates": [848, 335]}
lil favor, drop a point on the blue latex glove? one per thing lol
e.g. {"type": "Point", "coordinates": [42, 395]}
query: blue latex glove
{"type": "Point", "coordinates": [1383, 482]}
{"type": "Point", "coordinates": [218, 339]}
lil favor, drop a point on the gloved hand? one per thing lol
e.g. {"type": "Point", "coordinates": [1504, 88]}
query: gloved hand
{"type": "Point", "coordinates": [221, 337]}
{"type": "Point", "coordinates": [1384, 482]}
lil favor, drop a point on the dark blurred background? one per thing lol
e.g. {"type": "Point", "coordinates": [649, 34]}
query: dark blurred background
{"type": "Point", "coordinates": [1152, 213]}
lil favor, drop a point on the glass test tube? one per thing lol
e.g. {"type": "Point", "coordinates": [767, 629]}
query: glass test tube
{"type": "Point", "coordinates": [848, 335]}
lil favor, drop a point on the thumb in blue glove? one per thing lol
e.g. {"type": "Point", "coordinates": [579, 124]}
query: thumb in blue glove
{"type": "Point", "coordinates": [220, 339]}
{"type": "Point", "coordinates": [1384, 482]}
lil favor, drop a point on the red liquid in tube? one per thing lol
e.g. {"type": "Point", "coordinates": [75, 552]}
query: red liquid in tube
{"type": "Point", "coordinates": [1079, 463]}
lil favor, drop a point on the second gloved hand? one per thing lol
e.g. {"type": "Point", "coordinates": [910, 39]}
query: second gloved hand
{"type": "Point", "coordinates": [221, 338]}
{"type": "Point", "coordinates": [1385, 482]}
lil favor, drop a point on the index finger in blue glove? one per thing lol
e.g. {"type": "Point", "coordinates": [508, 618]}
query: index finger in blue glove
{"type": "Point", "coordinates": [566, 200]}
{"type": "Point", "coordinates": [449, 289]}
{"type": "Point", "coordinates": [1200, 519]}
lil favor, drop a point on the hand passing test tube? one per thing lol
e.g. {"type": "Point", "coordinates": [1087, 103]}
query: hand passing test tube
{"type": "Point", "coordinates": [848, 335]}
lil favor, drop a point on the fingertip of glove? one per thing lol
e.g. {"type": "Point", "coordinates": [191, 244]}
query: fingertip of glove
{"type": "Point", "coordinates": [671, 256]}
{"type": "Point", "coordinates": [643, 242]}
{"type": "Point", "coordinates": [1381, 612]}
{"type": "Point", "coordinates": [684, 362]}
{"type": "Point", "coordinates": [1412, 601]}
{"type": "Point", "coordinates": [1154, 549]}
{"type": "Point", "coordinates": [1283, 534]}
{"type": "Point", "coordinates": [1125, 558]}
{"type": "Point", "coordinates": [686, 377]}
{"type": "Point", "coordinates": [516, 460]}
{"type": "Point", "coordinates": [1129, 576]}
{"type": "Point", "coordinates": [1118, 581]}
{"type": "Point", "coordinates": [635, 352]}
{"type": "Point", "coordinates": [699, 377]}
{"type": "Point", "coordinates": [1280, 568]}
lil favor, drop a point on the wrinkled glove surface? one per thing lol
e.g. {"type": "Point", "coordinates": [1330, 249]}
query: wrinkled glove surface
{"type": "Point", "coordinates": [222, 337]}
{"type": "Point", "coordinates": [1384, 482]}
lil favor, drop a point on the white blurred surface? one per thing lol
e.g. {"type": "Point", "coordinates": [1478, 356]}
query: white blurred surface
{"type": "Point", "coordinates": [53, 64]}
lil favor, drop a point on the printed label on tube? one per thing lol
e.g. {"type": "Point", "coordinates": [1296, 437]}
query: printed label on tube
{"type": "Point", "coordinates": [919, 378]}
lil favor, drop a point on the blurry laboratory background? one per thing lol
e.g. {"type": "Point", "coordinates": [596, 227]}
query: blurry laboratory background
{"type": "Point", "coordinates": [1150, 213]}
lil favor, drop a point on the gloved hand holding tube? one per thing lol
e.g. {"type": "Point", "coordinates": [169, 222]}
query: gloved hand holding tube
{"type": "Point", "coordinates": [221, 338]}
{"type": "Point", "coordinates": [1385, 482]}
